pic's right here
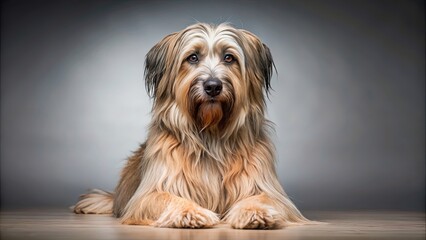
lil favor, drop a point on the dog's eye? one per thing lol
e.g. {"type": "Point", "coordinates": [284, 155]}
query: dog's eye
{"type": "Point", "coordinates": [193, 58]}
{"type": "Point", "coordinates": [228, 58]}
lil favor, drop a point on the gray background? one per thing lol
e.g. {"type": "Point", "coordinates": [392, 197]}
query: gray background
{"type": "Point", "coordinates": [348, 100]}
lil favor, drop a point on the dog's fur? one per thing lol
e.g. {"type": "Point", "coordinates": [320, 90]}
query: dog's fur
{"type": "Point", "coordinates": [207, 158]}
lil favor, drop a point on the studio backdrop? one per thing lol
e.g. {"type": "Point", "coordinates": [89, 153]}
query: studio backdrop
{"type": "Point", "coordinates": [348, 99]}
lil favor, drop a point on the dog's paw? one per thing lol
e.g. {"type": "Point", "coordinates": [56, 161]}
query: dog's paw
{"type": "Point", "coordinates": [255, 217]}
{"type": "Point", "coordinates": [187, 215]}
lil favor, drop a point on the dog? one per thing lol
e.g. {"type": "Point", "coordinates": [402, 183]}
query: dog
{"type": "Point", "coordinates": [208, 157]}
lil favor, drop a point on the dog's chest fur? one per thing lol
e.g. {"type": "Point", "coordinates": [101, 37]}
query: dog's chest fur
{"type": "Point", "coordinates": [206, 176]}
{"type": "Point", "coordinates": [201, 183]}
{"type": "Point", "coordinates": [202, 168]}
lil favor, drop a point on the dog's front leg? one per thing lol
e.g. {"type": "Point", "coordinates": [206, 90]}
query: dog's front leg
{"type": "Point", "coordinates": [255, 212]}
{"type": "Point", "coordinates": [183, 213]}
{"type": "Point", "coordinates": [167, 210]}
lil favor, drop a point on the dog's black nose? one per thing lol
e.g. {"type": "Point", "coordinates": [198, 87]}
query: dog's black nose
{"type": "Point", "coordinates": [212, 87]}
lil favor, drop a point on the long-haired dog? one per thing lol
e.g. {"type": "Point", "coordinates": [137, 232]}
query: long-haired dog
{"type": "Point", "coordinates": [208, 156]}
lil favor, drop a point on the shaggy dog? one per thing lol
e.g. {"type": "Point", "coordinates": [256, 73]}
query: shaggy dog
{"type": "Point", "coordinates": [208, 156]}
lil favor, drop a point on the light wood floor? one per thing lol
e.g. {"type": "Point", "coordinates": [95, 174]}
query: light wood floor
{"type": "Point", "coordinates": [61, 224]}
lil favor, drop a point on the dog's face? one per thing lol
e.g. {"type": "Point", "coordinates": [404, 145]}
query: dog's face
{"type": "Point", "coordinates": [208, 77]}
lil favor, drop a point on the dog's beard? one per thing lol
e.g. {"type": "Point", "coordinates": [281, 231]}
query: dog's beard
{"type": "Point", "coordinates": [210, 112]}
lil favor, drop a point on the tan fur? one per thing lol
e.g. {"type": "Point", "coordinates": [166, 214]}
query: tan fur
{"type": "Point", "coordinates": [95, 201]}
{"type": "Point", "coordinates": [206, 158]}
{"type": "Point", "coordinates": [129, 181]}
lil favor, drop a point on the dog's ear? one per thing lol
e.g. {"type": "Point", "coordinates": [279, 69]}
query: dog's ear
{"type": "Point", "coordinates": [267, 67]}
{"type": "Point", "coordinates": [259, 58]}
{"type": "Point", "coordinates": [156, 64]}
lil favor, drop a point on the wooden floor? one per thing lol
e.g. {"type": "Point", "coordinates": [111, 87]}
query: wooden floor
{"type": "Point", "coordinates": [61, 224]}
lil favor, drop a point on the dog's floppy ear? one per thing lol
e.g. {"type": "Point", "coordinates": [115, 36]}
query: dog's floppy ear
{"type": "Point", "coordinates": [156, 64]}
{"type": "Point", "coordinates": [267, 67]}
{"type": "Point", "coordinates": [260, 59]}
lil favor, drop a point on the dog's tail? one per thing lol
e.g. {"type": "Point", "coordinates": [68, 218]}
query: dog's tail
{"type": "Point", "coordinates": [95, 202]}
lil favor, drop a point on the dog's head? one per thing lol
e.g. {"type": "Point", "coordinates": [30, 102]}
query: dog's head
{"type": "Point", "coordinates": [208, 77]}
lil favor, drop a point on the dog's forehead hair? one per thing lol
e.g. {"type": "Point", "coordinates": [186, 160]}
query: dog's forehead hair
{"type": "Point", "coordinates": [211, 40]}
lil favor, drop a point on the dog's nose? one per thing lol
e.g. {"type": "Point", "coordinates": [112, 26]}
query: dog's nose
{"type": "Point", "coordinates": [212, 87]}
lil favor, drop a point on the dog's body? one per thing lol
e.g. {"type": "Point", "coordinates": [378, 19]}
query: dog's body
{"type": "Point", "coordinates": [208, 156]}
